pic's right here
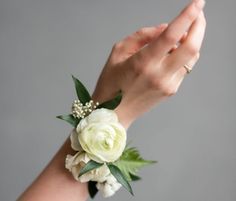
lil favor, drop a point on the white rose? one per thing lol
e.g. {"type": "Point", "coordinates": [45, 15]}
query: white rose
{"type": "Point", "coordinates": [101, 136]}
{"type": "Point", "coordinates": [109, 187]}
{"type": "Point", "coordinates": [75, 163]}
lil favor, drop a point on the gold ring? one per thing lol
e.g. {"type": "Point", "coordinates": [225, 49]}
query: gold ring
{"type": "Point", "coordinates": [188, 69]}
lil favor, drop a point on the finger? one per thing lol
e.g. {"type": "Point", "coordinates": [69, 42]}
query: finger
{"type": "Point", "coordinates": [180, 74]}
{"type": "Point", "coordinates": [140, 38]}
{"type": "Point", "coordinates": [177, 45]}
{"type": "Point", "coordinates": [182, 71]}
{"type": "Point", "coordinates": [160, 47]}
{"type": "Point", "coordinates": [189, 48]}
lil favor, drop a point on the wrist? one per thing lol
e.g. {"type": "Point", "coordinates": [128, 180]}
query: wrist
{"type": "Point", "coordinates": [125, 116]}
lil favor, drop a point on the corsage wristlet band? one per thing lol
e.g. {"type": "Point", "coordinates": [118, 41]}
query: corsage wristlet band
{"type": "Point", "coordinates": [102, 157]}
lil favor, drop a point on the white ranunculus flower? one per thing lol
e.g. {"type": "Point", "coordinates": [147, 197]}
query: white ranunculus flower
{"type": "Point", "coordinates": [101, 136]}
{"type": "Point", "coordinates": [75, 163]}
{"type": "Point", "coordinates": [109, 187]}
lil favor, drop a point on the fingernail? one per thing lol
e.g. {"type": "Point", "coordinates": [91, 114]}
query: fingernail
{"type": "Point", "coordinates": [199, 3]}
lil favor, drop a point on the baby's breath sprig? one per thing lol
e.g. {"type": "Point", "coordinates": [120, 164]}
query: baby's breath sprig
{"type": "Point", "coordinates": [80, 111]}
{"type": "Point", "coordinates": [84, 105]}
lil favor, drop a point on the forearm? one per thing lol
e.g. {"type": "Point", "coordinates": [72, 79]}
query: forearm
{"type": "Point", "coordinates": [55, 182]}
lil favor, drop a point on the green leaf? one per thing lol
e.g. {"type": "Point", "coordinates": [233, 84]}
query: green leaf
{"type": "Point", "coordinates": [134, 177]}
{"type": "Point", "coordinates": [81, 91]}
{"type": "Point", "coordinates": [70, 119]}
{"type": "Point", "coordinates": [113, 103]}
{"type": "Point", "coordinates": [91, 165]}
{"type": "Point", "coordinates": [92, 188]}
{"type": "Point", "coordinates": [130, 162]}
{"type": "Point", "coordinates": [115, 171]}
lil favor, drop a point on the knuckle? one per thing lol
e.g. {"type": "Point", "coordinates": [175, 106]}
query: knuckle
{"type": "Point", "coordinates": [192, 49]}
{"type": "Point", "coordinates": [154, 83]}
{"type": "Point", "coordinates": [197, 55]}
{"type": "Point", "coordinates": [157, 84]}
{"type": "Point", "coordinates": [190, 15]}
{"type": "Point", "coordinates": [169, 91]}
{"type": "Point", "coordinates": [162, 86]}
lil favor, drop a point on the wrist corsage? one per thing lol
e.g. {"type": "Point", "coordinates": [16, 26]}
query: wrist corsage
{"type": "Point", "coordinates": [102, 157]}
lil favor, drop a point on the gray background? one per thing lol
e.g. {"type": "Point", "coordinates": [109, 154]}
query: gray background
{"type": "Point", "coordinates": [192, 134]}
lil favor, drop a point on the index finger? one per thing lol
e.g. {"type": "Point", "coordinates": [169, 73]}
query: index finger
{"type": "Point", "coordinates": [176, 29]}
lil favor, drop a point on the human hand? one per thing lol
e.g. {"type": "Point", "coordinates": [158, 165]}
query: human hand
{"type": "Point", "coordinates": [115, 74]}
{"type": "Point", "coordinates": [152, 71]}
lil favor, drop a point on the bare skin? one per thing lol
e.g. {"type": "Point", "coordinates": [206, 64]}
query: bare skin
{"type": "Point", "coordinates": [148, 62]}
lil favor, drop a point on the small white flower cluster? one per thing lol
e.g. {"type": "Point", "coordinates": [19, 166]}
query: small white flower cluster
{"type": "Point", "coordinates": [101, 138]}
{"type": "Point", "coordinates": [80, 111]}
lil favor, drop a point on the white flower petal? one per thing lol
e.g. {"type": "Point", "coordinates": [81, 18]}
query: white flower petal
{"type": "Point", "coordinates": [100, 174]}
{"type": "Point", "coordinates": [85, 177]}
{"type": "Point", "coordinates": [111, 179]}
{"type": "Point", "coordinates": [105, 114]}
{"type": "Point", "coordinates": [101, 136]}
{"type": "Point", "coordinates": [75, 163]}
{"type": "Point", "coordinates": [82, 124]}
{"type": "Point", "coordinates": [75, 141]}
{"type": "Point", "coordinates": [109, 187]}
{"type": "Point", "coordinates": [69, 163]}
{"type": "Point", "coordinates": [115, 185]}
{"type": "Point", "coordinates": [105, 189]}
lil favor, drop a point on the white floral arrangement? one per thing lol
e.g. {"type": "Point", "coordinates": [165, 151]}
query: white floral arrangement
{"type": "Point", "coordinates": [102, 158]}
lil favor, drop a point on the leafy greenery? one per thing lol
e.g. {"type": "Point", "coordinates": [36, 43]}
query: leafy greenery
{"type": "Point", "coordinates": [130, 162]}
{"type": "Point", "coordinates": [134, 177]}
{"type": "Point", "coordinates": [84, 97]}
{"type": "Point", "coordinates": [81, 91]}
{"type": "Point", "coordinates": [92, 188]}
{"type": "Point", "coordinates": [70, 119]}
{"type": "Point", "coordinates": [91, 165]}
{"type": "Point", "coordinates": [115, 171]}
{"type": "Point", "coordinates": [112, 104]}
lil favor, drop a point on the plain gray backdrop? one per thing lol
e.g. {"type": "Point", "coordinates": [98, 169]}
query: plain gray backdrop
{"type": "Point", "coordinates": [192, 134]}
